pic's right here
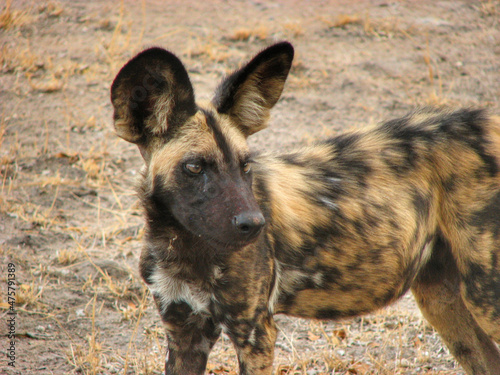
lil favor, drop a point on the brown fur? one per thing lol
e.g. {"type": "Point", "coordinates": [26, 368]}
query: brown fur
{"type": "Point", "coordinates": [334, 230]}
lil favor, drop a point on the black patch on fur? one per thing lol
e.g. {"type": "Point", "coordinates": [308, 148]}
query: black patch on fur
{"type": "Point", "coordinates": [407, 133]}
{"type": "Point", "coordinates": [460, 350]}
{"type": "Point", "coordinates": [450, 184]}
{"type": "Point", "coordinates": [157, 206]}
{"type": "Point", "coordinates": [465, 126]}
{"type": "Point", "coordinates": [147, 266]}
{"type": "Point", "coordinates": [287, 300]}
{"type": "Point", "coordinates": [422, 205]}
{"type": "Point", "coordinates": [389, 296]}
{"type": "Point", "coordinates": [345, 141]}
{"type": "Point", "coordinates": [376, 256]}
{"type": "Point", "coordinates": [350, 159]}
{"type": "Point", "coordinates": [407, 138]}
{"type": "Point", "coordinates": [292, 159]}
{"type": "Point", "coordinates": [333, 314]}
{"type": "Point", "coordinates": [489, 216]}
{"type": "Point", "coordinates": [243, 368]}
{"type": "Point", "coordinates": [483, 285]}
{"type": "Point", "coordinates": [440, 263]}
{"type": "Point", "coordinates": [220, 139]}
{"type": "Point", "coordinates": [176, 313]}
{"type": "Point", "coordinates": [231, 307]}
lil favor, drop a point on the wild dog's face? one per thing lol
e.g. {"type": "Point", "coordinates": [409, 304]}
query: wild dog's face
{"type": "Point", "coordinates": [203, 177]}
{"type": "Point", "coordinates": [198, 169]}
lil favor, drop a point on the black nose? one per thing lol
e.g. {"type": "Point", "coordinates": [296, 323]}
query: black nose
{"type": "Point", "coordinates": [249, 223]}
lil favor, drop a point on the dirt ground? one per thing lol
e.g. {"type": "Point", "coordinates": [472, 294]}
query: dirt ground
{"type": "Point", "coordinates": [69, 220]}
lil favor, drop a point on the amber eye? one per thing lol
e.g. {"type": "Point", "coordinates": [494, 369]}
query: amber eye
{"type": "Point", "coordinates": [246, 167]}
{"type": "Point", "coordinates": [193, 168]}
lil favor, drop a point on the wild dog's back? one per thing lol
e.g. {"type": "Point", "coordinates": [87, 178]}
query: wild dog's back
{"type": "Point", "coordinates": [356, 217]}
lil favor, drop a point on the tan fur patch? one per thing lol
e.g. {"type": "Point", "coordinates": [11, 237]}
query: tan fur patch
{"type": "Point", "coordinates": [195, 140]}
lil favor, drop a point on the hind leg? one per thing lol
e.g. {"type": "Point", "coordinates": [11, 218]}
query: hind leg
{"type": "Point", "coordinates": [437, 291]}
{"type": "Point", "coordinates": [481, 290]}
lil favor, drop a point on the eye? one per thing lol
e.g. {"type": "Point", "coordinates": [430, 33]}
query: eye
{"type": "Point", "coordinates": [246, 167]}
{"type": "Point", "coordinates": [193, 168]}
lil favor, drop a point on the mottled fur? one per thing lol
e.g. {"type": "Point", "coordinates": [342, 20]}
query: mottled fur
{"type": "Point", "coordinates": [334, 230]}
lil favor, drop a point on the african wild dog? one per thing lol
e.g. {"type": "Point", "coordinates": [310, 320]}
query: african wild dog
{"type": "Point", "coordinates": [333, 230]}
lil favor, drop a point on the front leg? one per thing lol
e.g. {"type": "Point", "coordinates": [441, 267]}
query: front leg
{"type": "Point", "coordinates": [242, 307]}
{"type": "Point", "coordinates": [254, 343]}
{"type": "Point", "coordinates": [190, 336]}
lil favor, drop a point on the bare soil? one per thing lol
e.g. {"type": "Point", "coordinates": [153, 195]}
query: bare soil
{"type": "Point", "coordinates": [69, 218]}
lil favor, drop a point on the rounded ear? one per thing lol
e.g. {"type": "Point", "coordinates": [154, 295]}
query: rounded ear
{"type": "Point", "coordinates": [248, 94]}
{"type": "Point", "coordinates": [151, 94]}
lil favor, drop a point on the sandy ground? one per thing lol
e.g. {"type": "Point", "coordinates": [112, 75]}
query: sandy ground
{"type": "Point", "coordinates": [69, 220]}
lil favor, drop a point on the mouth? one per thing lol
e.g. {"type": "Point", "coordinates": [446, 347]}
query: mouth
{"type": "Point", "coordinates": [234, 244]}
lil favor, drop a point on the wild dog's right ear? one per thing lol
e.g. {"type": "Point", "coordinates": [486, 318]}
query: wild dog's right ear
{"type": "Point", "coordinates": [151, 94]}
{"type": "Point", "coordinates": [248, 94]}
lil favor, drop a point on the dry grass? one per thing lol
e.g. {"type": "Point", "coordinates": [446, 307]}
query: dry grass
{"type": "Point", "coordinates": [42, 73]}
{"type": "Point", "coordinates": [12, 18]}
{"type": "Point", "coordinates": [323, 350]}
{"type": "Point", "coordinates": [46, 85]}
{"type": "Point", "coordinates": [489, 7]}
{"type": "Point", "coordinates": [341, 20]}
{"type": "Point", "coordinates": [52, 9]}
{"type": "Point", "coordinates": [436, 96]}
{"type": "Point", "coordinates": [124, 38]}
{"type": "Point", "coordinates": [30, 295]}
{"type": "Point", "coordinates": [208, 50]}
{"type": "Point", "coordinates": [88, 359]}
{"type": "Point", "coordinates": [293, 29]}
{"type": "Point", "coordinates": [250, 34]}
{"type": "Point", "coordinates": [387, 27]}
{"type": "Point", "coordinates": [20, 59]}
{"type": "Point", "coordinates": [66, 257]}
{"type": "Point", "coordinates": [264, 32]}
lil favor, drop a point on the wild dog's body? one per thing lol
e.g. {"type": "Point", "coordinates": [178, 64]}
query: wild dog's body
{"type": "Point", "coordinates": [350, 223]}
{"type": "Point", "coordinates": [381, 201]}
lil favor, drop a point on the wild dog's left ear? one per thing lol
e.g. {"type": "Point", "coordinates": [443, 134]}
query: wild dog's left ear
{"type": "Point", "coordinates": [249, 93]}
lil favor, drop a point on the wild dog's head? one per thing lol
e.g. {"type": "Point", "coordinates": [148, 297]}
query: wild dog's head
{"type": "Point", "coordinates": [198, 172]}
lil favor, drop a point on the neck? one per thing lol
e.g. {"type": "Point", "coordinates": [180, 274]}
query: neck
{"type": "Point", "coordinates": [189, 256]}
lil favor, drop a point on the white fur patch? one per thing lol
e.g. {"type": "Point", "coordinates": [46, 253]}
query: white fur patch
{"type": "Point", "coordinates": [427, 252]}
{"type": "Point", "coordinates": [287, 281]}
{"type": "Point", "coordinates": [329, 203]}
{"type": "Point", "coordinates": [317, 278]}
{"type": "Point", "coordinates": [170, 289]}
{"type": "Point", "coordinates": [273, 299]}
{"type": "Point", "coordinates": [334, 180]}
{"type": "Point", "coordinates": [252, 338]}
